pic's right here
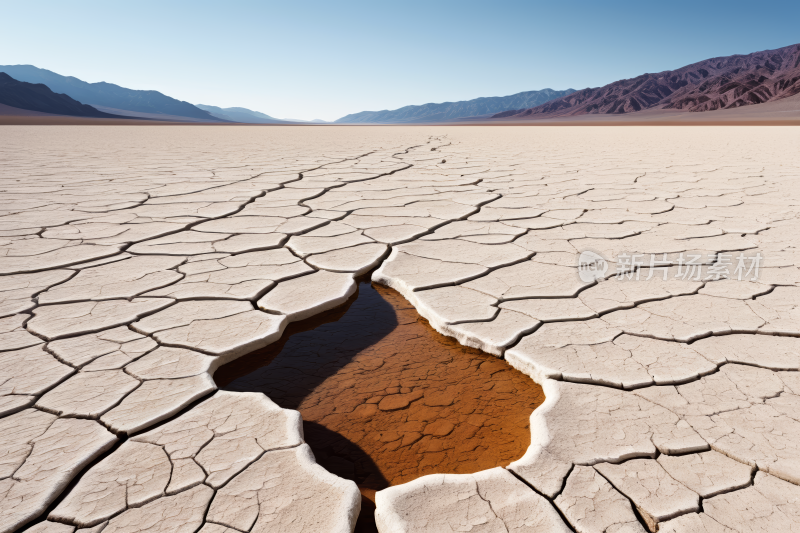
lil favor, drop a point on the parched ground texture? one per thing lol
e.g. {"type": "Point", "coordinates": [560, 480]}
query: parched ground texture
{"type": "Point", "coordinates": [134, 261]}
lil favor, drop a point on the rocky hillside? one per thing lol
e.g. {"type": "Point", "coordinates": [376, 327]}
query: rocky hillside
{"type": "Point", "coordinates": [453, 110]}
{"type": "Point", "coordinates": [718, 83]}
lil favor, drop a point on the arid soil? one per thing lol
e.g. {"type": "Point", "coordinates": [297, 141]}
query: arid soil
{"type": "Point", "coordinates": [136, 262]}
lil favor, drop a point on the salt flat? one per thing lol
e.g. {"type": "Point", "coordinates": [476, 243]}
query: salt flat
{"type": "Point", "coordinates": [136, 261]}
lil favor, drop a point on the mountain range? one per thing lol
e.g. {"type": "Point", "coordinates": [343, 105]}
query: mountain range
{"type": "Point", "coordinates": [448, 111]}
{"type": "Point", "coordinates": [39, 97]}
{"type": "Point", "coordinates": [713, 84]}
{"type": "Point", "coordinates": [108, 95]}
{"type": "Point", "coordinates": [717, 83]}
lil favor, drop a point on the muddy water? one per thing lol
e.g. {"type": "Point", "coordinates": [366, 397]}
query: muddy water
{"type": "Point", "coordinates": [386, 399]}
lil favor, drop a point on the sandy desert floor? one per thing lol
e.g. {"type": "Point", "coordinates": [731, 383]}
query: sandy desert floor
{"type": "Point", "coordinates": [415, 293]}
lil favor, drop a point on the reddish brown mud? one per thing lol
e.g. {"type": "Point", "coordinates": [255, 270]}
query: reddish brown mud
{"type": "Point", "coordinates": [386, 399]}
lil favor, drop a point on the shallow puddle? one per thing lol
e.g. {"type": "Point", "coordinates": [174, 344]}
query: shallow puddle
{"type": "Point", "coordinates": [386, 399]}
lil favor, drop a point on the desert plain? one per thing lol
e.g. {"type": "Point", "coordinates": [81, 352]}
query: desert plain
{"type": "Point", "coordinates": [410, 301]}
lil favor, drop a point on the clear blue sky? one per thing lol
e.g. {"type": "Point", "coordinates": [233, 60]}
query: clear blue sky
{"type": "Point", "coordinates": [324, 59]}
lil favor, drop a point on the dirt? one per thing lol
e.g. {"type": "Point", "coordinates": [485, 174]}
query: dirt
{"type": "Point", "coordinates": [386, 399]}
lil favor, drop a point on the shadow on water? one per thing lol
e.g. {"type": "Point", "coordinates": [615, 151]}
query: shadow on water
{"type": "Point", "coordinates": [312, 350]}
{"type": "Point", "coordinates": [386, 399]}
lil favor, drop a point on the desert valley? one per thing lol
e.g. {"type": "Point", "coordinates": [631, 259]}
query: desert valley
{"type": "Point", "coordinates": [562, 310]}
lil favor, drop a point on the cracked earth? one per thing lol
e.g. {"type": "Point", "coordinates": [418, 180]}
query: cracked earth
{"type": "Point", "coordinates": [135, 262]}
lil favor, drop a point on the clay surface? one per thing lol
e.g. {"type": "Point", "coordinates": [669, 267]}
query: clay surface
{"type": "Point", "coordinates": [661, 392]}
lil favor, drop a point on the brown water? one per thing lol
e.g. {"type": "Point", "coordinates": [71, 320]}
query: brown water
{"type": "Point", "coordinates": [386, 399]}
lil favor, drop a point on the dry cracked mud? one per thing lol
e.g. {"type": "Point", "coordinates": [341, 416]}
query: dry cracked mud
{"type": "Point", "coordinates": [136, 262]}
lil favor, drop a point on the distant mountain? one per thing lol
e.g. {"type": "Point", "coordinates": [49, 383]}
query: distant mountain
{"type": "Point", "coordinates": [248, 116]}
{"type": "Point", "coordinates": [313, 121]}
{"type": "Point", "coordinates": [107, 94]}
{"type": "Point", "coordinates": [38, 97]}
{"type": "Point", "coordinates": [239, 114]}
{"type": "Point", "coordinates": [718, 83]}
{"type": "Point", "coordinates": [452, 110]}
